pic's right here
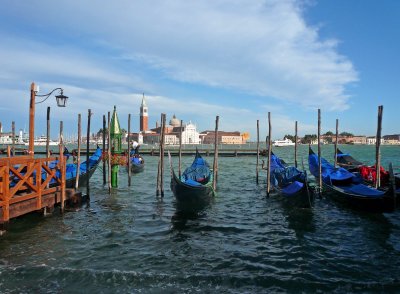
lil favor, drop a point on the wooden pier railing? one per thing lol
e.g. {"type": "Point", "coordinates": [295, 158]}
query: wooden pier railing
{"type": "Point", "coordinates": [28, 184]}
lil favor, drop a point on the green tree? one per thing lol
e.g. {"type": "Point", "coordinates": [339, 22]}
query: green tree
{"type": "Point", "coordinates": [307, 139]}
{"type": "Point", "coordinates": [290, 137]}
{"type": "Point", "coordinates": [346, 134]}
{"type": "Point", "coordinates": [328, 133]}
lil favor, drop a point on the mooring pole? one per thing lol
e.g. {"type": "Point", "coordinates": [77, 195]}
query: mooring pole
{"type": "Point", "coordinates": [162, 157]}
{"type": "Point", "coordinates": [48, 133]}
{"type": "Point", "coordinates": [378, 147]}
{"type": "Point", "coordinates": [336, 140]}
{"type": "Point", "coordinates": [129, 150]}
{"type": "Point", "coordinates": [258, 149]}
{"type": "Point", "coordinates": [269, 154]}
{"type": "Point", "coordinates": [62, 166]}
{"type": "Point", "coordinates": [78, 158]}
{"type": "Point", "coordinates": [13, 137]}
{"type": "Point", "coordinates": [215, 165]}
{"type": "Point", "coordinates": [319, 153]}
{"type": "Point", "coordinates": [104, 149]}
{"type": "Point", "coordinates": [87, 155]}
{"type": "Point", "coordinates": [180, 149]}
{"type": "Point", "coordinates": [295, 144]}
{"type": "Point", "coordinates": [159, 158]}
{"type": "Point", "coordinates": [109, 153]}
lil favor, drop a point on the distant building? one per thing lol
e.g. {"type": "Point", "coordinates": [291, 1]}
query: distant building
{"type": "Point", "coordinates": [372, 140]}
{"type": "Point", "coordinates": [391, 139]}
{"type": "Point", "coordinates": [172, 133]}
{"type": "Point", "coordinates": [144, 116]}
{"type": "Point", "coordinates": [350, 139]}
{"type": "Point", "coordinates": [208, 137]}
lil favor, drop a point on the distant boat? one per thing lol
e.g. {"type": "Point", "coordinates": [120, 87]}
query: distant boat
{"type": "Point", "coordinates": [41, 141]}
{"type": "Point", "coordinates": [282, 143]}
{"type": "Point", "coordinates": [137, 161]}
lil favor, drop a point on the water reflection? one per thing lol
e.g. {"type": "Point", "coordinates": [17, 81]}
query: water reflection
{"type": "Point", "coordinates": [300, 220]}
{"type": "Point", "coordinates": [185, 212]}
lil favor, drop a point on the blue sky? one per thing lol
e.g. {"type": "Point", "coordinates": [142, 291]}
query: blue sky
{"type": "Point", "coordinates": [198, 59]}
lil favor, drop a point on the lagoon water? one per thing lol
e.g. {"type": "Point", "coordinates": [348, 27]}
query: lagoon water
{"type": "Point", "coordinates": [133, 242]}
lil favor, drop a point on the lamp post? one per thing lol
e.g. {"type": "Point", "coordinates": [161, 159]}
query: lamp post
{"type": "Point", "coordinates": [61, 101]}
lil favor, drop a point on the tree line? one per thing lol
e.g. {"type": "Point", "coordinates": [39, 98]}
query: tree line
{"type": "Point", "coordinates": [308, 138]}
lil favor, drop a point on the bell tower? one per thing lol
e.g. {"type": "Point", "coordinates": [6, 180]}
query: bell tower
{"type": "Point", "coordinates": [144, 116]}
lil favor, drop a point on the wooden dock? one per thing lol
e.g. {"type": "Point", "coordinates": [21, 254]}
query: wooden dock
{"type": "Point", "coordinates": [27, 184]}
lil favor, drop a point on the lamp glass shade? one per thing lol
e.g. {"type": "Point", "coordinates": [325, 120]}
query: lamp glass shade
{"type": "Point", "coordinates": [61, 100]}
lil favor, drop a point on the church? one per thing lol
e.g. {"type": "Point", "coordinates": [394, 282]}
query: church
{"type": "Point", "coordinates": [172, 130]}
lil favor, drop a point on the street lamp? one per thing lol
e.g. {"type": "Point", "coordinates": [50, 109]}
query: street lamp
{"type": "Point", "coordinates": [61, 101]}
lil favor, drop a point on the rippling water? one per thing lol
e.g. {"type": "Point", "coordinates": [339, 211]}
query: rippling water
{"type": "Point", "coordinates": [130, 241]}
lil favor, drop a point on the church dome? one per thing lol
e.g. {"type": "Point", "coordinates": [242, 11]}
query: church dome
{"type": "Point", "coordinates": [175, 122]}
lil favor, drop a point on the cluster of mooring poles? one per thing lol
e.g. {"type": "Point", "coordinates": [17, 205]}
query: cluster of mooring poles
{"type": "Point", "coordinates": [319, 188]}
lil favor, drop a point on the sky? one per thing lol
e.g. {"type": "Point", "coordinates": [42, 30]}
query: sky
{"type": "Point", "coordinates": [238, 59]}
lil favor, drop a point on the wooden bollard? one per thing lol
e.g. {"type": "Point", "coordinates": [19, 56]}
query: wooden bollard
{"type": "Point", "coordinates": [258, 149]}
{"type": "Point", "coordinates": [269, 154]}
{"type": "Point", "coordinates": [378, 147]}
{"type": "Point", "coordinates": [215, 165]}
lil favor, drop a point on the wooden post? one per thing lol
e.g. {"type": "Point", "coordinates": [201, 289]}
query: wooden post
{"type": "Point", "coordinates": [295, 144]}
{"type": "Point", "coordinates": [129, 150]}
{"type": "Point", "coordinates": [62, 167]}
{"type": "Point", "coordinates": [180, 149]}
{"type": "Point", "coordinates": [78, 159]}
{"type": "Point", "coordinates": [13, 137]}
{"type": "Point", "coordinates": [336, 140]}
{"type": "Point", "coordinates": [109, 153]}
{"type": "Point", "coordinates": [104, 149]}
{"type": "Point", "coordinates": [269, 154]}
{"type": "Point", "coordinates": [162, 157]}
{"type": "Point", "coordinates": [378, 147]}
{"type": "Point", "coordinates": [258, 149]}
{"type": "Point", "coordinates": [215, 165]}
{"type": "Point", "coordinates": [319, 153]}
{"type": "Point", "coordinates": [32, 119]}
{"type": "Point", "coordinates": [47, 133]}
{"type": "Point", "coordinates": [87, 155]}
{"type": "Point", "coordinates": [61, 134]}
{"type": "Point", "coordinates": [159, 157]}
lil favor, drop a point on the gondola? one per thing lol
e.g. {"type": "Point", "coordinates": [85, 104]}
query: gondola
{"type": "Point", "coordinates": [137, 164]}
{"type": "Point", "coordinates": [194, 189]}
{"type": "Point", "coordinates": [70, 170]}
{"type": "Point", "coordinates": [347, 161]}
{"type": "Point", "coordinates": [348, 188]}
{"type": "Point", "coordinates": [137, 161]}
{"type": "Point", "coordinates": [368, 173]}
{"type": "Point", "coordinates": [291, 183]}
{"type": "Point", "coordinates": [70, 174]}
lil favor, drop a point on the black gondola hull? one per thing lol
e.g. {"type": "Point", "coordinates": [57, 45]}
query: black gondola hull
{"type": "Point", "coordinates": [190, 198]}
{"type": "Point", "coordinates": [386, 203]}
{"type": "Point", "coordinates": [137, 168]}
{"type": "Point", "coordinates": [303, 198]}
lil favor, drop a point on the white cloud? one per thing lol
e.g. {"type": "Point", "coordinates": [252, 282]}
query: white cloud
{"type": "Point", "coordinates": [263, 47]}
{"type": "Point", "coordinates": [103, 53]}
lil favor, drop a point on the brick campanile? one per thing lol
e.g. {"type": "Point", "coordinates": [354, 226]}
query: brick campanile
{"type": "Point", "coordinates": [144, 116]}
